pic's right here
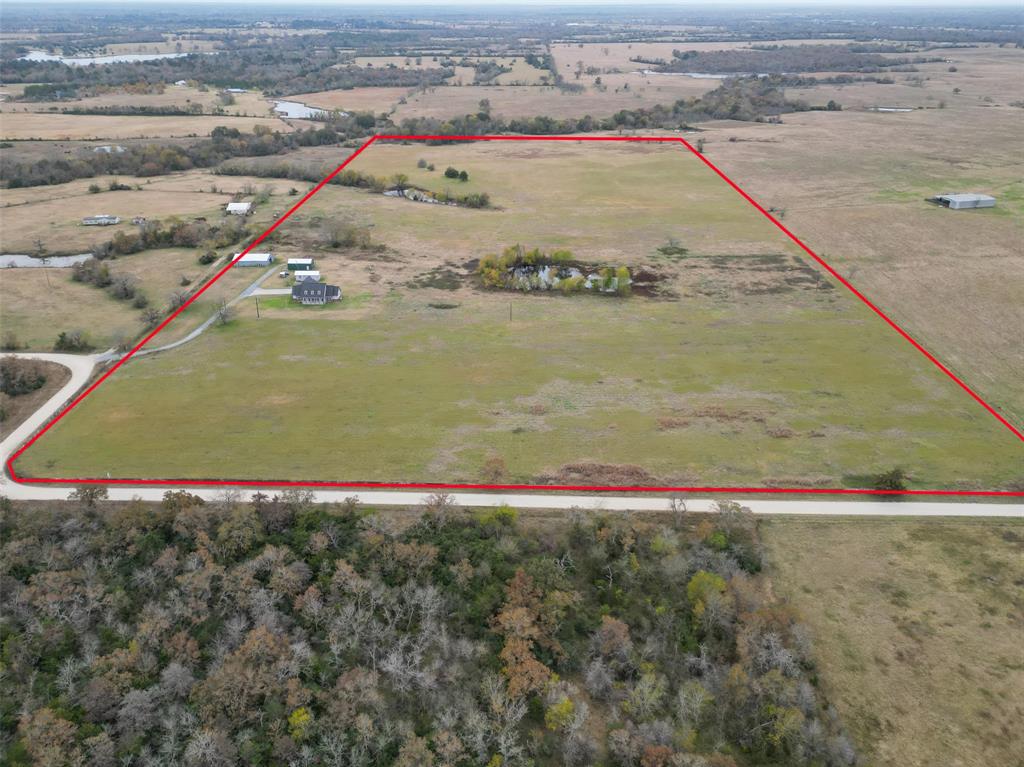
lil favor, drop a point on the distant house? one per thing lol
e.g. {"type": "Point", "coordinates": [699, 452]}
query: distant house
{"type": "Point", "coordinates": [307, 276]}
{"type": "Point", "coordinates": [101, 219]}
{"type": "Point", "coordinates": [315, 293]}
{"type": "Point", "coordinates": [236, 90]}
{"type": "Point", "coordinates": [300, 264]}
{"type": "Point", "coordinates": [109, 149]}
{"type": "Point", "coordinates": [239, 208]}
{"type": "Point", "coordinates": [181, 83]}
{"type": "Point", "coordinates": [255, 259]}
{"type": "Point", "coordinates": [964, 201]}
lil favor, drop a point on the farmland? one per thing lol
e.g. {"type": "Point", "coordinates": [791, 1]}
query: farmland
{"type": "Point", "coordinates": [423, 375]}
{"type": "Point", "coordinates": [20, 126]}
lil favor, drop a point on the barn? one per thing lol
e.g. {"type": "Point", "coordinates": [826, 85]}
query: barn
{"type": "Point", "coordinates": [255, 259]}
{"type": "Point", "coordinates": [300, 264]}
{"type": "Point", "coordinates": [239, 208]}
{"type": "Point", "coordinates": [963, 201]}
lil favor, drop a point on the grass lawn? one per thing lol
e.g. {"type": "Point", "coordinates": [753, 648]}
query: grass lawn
{"type": "Point", "coordinates": [917, 631]}
{"type": "Point", "coordinates": [745, 367]}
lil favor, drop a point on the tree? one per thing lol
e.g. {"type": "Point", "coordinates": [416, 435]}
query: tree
{"type": "Point", "coordinates": [400, 181]}
{"type": "Point", "coordinates": [894, 479]}
{"type": "Point", "coordinates": [88, 495]}
{"type": "Point", "coordinates": [463, 176]}
{"type": "Point", "coordinates": [451, 172]}
{"type": "Point", "coordinates": [225, 312]}
{"type": "Point", "coordinates": [150, 317]}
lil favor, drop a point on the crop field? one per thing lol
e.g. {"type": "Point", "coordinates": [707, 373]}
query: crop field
{"type": "Point", "coordinates": [720, 369]}
{"type": "Point", "coordinates": [917, 631]}
{"type": "Point", "coordinates": [19, 126]}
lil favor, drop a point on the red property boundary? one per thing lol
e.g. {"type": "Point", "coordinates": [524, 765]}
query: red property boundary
{"type": "Point", "coordinates": [480, 486]}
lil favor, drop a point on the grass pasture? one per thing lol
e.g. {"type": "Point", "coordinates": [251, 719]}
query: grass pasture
{"type": "Point", "coordinates": [21, 126]}
{"type": "Point", "coordinates": [916, 629]}
{"type": "Point", "coordinates": [743, 367]}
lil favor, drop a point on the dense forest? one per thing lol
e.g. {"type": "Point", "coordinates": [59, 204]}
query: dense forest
{"type": "Point", "coordinates": [279, 632]}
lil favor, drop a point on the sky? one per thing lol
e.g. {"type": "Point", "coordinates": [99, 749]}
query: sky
{"type": "Point", "coordinates": [675, 4]}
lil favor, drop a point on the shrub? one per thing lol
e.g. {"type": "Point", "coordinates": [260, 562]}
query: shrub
{"type": "Point", "coordinates": [20, 376]}
{"type": "Point", "coordinates": [894, 479]}
{"type": "Point", "coordinates": [72, 341]}
{"type": "Point", "coordinates": [450, 172]}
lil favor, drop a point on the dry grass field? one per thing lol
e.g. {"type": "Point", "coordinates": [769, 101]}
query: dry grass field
{"type": "Point", "coordinates": [20, 126]}
{"type": "Point", "coordinates": [853, 184]}
{"type": "Point", "coordinates": [917, 628]}
{"type": "Point", "coordinates": [251, 104]}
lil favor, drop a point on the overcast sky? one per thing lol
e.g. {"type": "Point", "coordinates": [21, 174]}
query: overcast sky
{"type": "Point", "coordinates": [675, 4]}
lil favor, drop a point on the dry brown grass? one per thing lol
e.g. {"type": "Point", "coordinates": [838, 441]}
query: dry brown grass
{"type": "Point", "coordinates": [917, 631]}
{"type": "Point", "coordinates": [853, 184]}
{"type": "Point", "coordinates": [19, 126]}
{"type": "Point", "coordinates": [355, 100]}
{"type": "Point", "coordinates": [246, 104]}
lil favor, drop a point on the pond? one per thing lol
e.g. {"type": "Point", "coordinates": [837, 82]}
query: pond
{"type": "Point", "coordinates": [300, 111]}
{"type": "Point", "coordinates": [84, 61]}
{"type": "Point", "coordinates": [31, 262]}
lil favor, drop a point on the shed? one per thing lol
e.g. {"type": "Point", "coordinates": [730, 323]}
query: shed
{"type": "Point", "coordinates": [239, 208]}
{"type": "Point", "coordinates": [964, 201]}
{"type": "Point", "coordinates": [300, 264]}
{"type": "Point", "coordinates": [315, 293]}
{"type": "Point", "coordinates": [255, 259]}
{"type": "Point", "coordinates": [307, 276]}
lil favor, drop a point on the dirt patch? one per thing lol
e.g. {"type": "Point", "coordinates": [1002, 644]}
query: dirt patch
{"type": "Point", "coordinates": [755, 275]}
{"type": "Point", "coordinates": [601, 474]}
{"type": "Point", "coordinates": [440, 278]}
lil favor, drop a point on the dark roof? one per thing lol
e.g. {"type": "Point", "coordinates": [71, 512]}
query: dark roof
{"type": "Point", "coordinates": [315, 290]}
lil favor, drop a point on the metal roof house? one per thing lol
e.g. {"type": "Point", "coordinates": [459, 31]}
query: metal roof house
{"type": "Point", "coordinates": [255, 259]}
{"type": "Point", "coordinates": [315, 293]}
{"type": "Point", "coordinates": [239, 208]}
{"type": "Point", "coordinates": [300, 264]}
{"type": "Point", "coordinates": [307, 276]}
{"type": "Point", "coordinates": [101, 219]}
{"type": "Point", "coordinates": [964, 201]}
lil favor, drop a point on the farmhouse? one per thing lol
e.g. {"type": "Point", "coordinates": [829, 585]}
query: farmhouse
{"type": "Point", "coordinates": [307, 276]}
{"type": "Point", "coordinates": [964, 201]}
{"type": "Point", "coordinates": [239, 208]}
{"type": "Point", "coordinates": [315, 293]}
{"type": "Point", "coordinates": [101, 219]}
{"type": "Point", "coordinates": [255, 259]}
{"type": "Point", "coordinates": [300, 264]}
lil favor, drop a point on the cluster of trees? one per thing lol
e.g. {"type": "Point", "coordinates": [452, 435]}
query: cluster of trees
{"type": "Point", "coordinates": [160, 159]}
{"type": "Point", "coordinates": [175, 233]}
{"type": "Point", "coordinates": [72, 341]}
{"type": "Point", "coordinates": [778, 59]}
{"type": "Point", "coordinates": [528, 270]}
{"type": "Point", "coordinates": [20, 376]}
{"type": "Point", "coordinates": [279, 632]}
{"type": "Point", "coordinates": [454, 173]}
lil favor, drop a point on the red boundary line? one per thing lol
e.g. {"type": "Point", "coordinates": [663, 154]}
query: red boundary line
{"type": "Point", "coordinates": [481, 486]}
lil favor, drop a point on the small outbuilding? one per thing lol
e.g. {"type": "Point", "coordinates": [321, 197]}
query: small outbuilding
{"type": "Point", "coordinates": [300, 264]}
{"type": "Point", "coordinates": [307, 276]}
{"type": "Point", "coordinates": [315, 293]}
{"type": "Point", "coordinates": [101, 219]}
{"type": "Point", "coordinates": [255, 259]}
{"type": "Point", "coordinates": [239, 208]}
{"type": "Point", "coordinates": [964, 201]}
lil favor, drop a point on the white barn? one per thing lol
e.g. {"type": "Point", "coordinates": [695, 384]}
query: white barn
{"type": "Point", "coordinates": [255, 259]}
{"type": "Point", "coordinates": [239, 208]}
{"type": "Point", "coordinates": [965, 201]}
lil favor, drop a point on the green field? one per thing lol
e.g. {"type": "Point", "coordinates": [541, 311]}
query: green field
{"type": "Point", "coordinates": [743, 366]}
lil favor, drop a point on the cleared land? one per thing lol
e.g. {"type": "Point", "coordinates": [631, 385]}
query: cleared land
{"type": "Point", "coordinates": [724, 370]}
{"type": "Point", "coordinates": [916, 629]}
{"type": "Point", "coordinates": [250, 104]}
{"type": "Point", "coordinates": [17, 126]}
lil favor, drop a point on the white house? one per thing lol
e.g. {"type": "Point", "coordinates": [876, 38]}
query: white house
{"type": "Point", "coordinates": [255, 259]}
{"type": "Point", "coordinates": [101, 219]}
{"type": "Point", "coordinates": [239, 208]}
{"type": "Point", "coordinates": [307, 276]}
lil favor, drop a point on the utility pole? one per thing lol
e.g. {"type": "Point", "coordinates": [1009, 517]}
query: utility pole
{"type": "Point", "coordinates": [257, 307]}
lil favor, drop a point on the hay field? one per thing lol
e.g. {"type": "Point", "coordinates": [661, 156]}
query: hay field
{"type": "Point", "coordinates": [916, 628]}
{"type": "Point", "coordinates": [727, 374]}
{"type": "Point", "coordinates": [246, 104]}
{"type": "Point", "coordinates": [853, 184]}
{"type": "Point", "coordinates": [21, 126]}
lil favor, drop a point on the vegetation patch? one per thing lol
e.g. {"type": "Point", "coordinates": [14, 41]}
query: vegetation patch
{"type": "Point", "coordinates": [534, 270]}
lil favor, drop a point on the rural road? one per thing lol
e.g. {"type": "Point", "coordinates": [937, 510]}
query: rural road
{"type": "Point", "coordinates": [82, 367]}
